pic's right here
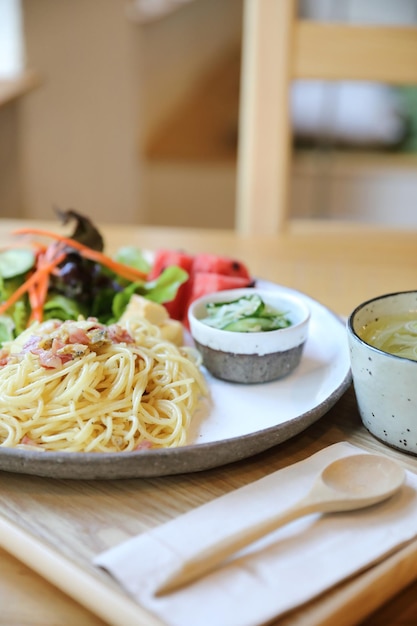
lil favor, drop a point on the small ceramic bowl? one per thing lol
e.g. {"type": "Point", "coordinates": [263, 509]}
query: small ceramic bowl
{"type": "Point", "coordinates": [251, 357]}
{"type": "Point", "coordinates": [384, 383]}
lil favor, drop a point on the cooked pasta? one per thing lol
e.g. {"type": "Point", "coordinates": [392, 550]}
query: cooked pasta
{"type": "Point", "coordinates": [82, 386]}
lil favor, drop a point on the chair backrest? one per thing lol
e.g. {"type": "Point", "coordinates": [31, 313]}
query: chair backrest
{"type": "Point", "coordinates": [277, 48]}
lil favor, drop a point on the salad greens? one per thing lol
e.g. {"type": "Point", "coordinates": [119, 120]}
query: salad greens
{"type": "Point", "coordinates": [246, 314]}
{"type": "Point", "coordinates": [72, 276]}
{"type": "Point", "coordinates": [16, 261]}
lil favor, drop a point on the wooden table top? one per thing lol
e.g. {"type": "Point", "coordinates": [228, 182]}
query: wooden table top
{"type": "Point", "coordinates": [340, 268]}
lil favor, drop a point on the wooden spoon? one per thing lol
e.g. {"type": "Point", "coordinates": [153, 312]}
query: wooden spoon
{"type": "Point", "coordinates": [350, 483]}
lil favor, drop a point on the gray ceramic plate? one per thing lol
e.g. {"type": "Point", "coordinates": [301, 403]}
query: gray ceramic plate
{"type": "Point", "coordinates": [237, 422]}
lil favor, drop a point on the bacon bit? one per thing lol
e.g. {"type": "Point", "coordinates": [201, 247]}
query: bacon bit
{"type": "Point", "coordinates": [143, 445]}
{"type": "Point", "coordinates": [48, 359]}
{"type": "Point", "coordinates": [118, 334]}
{"type": "Point", "coordinates": [78, 335]}
{"type": "Point", "coordinates": [33, 342]}
{"type": "Point", "coordinates": [27, 441]}
{"type": "Point", "coordinates": [4, 357]}
{"type": "Point", "coordinates": [56, 345]}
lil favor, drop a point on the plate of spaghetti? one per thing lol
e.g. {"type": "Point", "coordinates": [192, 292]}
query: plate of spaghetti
{"type": "Point", "coordinates": [85, 400]}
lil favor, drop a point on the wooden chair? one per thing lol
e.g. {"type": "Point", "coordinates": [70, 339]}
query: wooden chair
{"type": "Point", "coordinates": [278, 47]}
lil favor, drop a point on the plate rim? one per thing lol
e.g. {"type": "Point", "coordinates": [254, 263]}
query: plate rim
{"type": "Point", "coordinates": [171, 461]}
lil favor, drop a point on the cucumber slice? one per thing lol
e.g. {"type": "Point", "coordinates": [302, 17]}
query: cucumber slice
{"type": "Point", "coordinates": [246, 314]}
{"type": "Point", "coordinates": [222, 313]}
{"type": "Point", "coordinates": [15, 262]}
{"type": "Point", "coordinates": [257, 324]}
{"type": "Point", "coordinates": [246, 305]}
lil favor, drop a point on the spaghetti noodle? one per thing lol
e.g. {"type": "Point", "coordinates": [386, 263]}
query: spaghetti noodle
{"type": "Point", "coordinates": [82, 386]}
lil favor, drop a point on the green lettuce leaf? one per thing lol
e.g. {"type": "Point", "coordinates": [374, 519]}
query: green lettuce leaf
{"type": "Point", "coordinates": [134, 257]}
{"type": "Point", "coordinates": [6, 329]}
{"type": "Point", "coordinates": [162, 289]}
{"type": "Point", "coordinates": [60, 307]}
{"type": "Point", "coordinates": [19, 312]}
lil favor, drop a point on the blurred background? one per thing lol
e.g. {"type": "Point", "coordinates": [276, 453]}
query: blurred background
{"type": "Point", "coordinates": [127, 111]}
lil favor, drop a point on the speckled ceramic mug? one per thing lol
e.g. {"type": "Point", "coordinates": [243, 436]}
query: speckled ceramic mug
{"type": "Point", "coordinates": [385, 384]}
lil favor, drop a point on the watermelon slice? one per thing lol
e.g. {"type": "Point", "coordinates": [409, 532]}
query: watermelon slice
{"type": "Point", "coordinates": [219, 265]}
{"type": "Point", "coordinates": [203, 283]}
{"type": "Point", "coordinates": [166, 258]}
{"type": "Point", "coordinates": [208, 273]}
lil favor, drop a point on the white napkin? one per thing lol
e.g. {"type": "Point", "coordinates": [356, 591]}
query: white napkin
{"type": "Point", "coordinates": [278, 573]}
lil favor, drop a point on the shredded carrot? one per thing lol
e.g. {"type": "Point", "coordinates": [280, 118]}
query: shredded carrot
{"type": "Point", "coordinates": [38, 292]}
{"type": "Point", "coordinates": [130, 273]}
{"type": "Point", "coordinates": [36, 307]}
{"type": "Point", "coordinates": [48, 258]}
{"type": "Point", "coordinates": [39, 277]}
{"type": "Point", "coordinates": [37, 246]}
